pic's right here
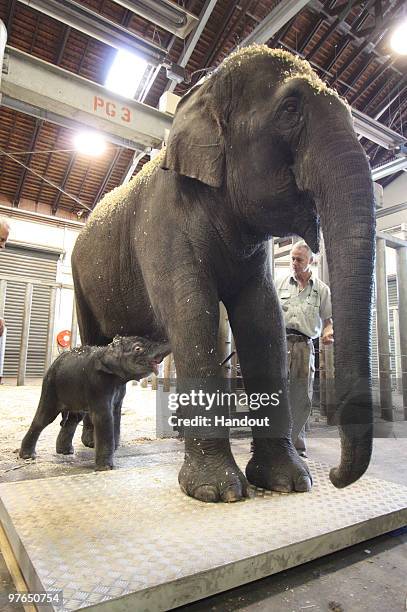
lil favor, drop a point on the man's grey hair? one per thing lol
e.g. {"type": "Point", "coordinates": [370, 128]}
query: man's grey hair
{"type": "Point", "coordinates": [4, 222]}
{"type": "Point", "coordinates": [301, 244]}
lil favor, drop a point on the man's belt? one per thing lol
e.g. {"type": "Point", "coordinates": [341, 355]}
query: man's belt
{"type": "Point", "coordinates": [294, 332]}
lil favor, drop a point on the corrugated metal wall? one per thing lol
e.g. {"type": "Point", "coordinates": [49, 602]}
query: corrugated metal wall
{"type": "Point", "coordinates": [38, 265]}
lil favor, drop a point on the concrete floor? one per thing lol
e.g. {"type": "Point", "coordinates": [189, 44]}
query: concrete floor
{"type": "Point", "coordinates": [369, 576]}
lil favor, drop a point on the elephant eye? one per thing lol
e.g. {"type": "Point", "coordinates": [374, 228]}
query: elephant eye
{"type": "Point", "coordinates": [138, 348]}
{"type": "Point", "coordinates": [291, 105]}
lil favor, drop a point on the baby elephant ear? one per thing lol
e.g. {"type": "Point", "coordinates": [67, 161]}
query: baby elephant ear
{"type": "Point", "coordinates": [195, 146]}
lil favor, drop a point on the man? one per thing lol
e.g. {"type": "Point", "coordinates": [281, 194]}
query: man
{"type": "Point", "coordinates": [307, 310]}
{"type": "Point", "coordinates": [4, 233]}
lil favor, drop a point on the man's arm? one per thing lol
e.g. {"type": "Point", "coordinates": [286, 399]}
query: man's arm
{"type": "Point", "coordinates": [327, 332]}
{"type": "Point", "coordinates": [325, 312]}
{"type": "Point", "coordinates": [1, 326]}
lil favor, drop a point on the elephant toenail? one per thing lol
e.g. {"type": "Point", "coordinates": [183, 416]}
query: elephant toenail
{"type": "Point", "coordinates": [282, 485]}
{"type": "Point", "coordinates": [303, 484]}
{"type": "Point", "coordinates": [206, 493]}
{"type": "Point", "coordinates": [232, 494]}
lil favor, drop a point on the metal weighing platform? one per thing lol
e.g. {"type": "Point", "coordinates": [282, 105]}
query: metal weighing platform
{"type": "Point", "coordinates": [130, 540]}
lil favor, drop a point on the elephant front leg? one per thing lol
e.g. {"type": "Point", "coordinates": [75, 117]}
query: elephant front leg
{"type": "Point", "coordinates": [117, 415]}
{"type": "Point", "coordinates": [102, 419]}
{"type": "Point", "coordinates": [257, 326]}
{"type": "Point", "coordinates": [209, 472]}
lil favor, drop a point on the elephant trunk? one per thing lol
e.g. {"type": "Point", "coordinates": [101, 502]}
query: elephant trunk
{"type": "Point", "coordinates": [346, 208]}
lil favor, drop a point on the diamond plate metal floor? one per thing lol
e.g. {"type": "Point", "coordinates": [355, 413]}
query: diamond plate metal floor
{"type": "Point", "coordinates": [130, 540]}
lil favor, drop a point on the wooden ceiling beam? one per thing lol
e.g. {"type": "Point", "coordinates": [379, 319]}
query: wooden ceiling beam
{"type": "Point", "coordinates": [44, 173]}
{"type": "Point", "coordinates": [11, 9]}
{"type": "Point", "coordinates": [376, 75]}
{"type": "Point", "coordinates": [384, 25]}
{"type": "Point", "coordinates": [54, 206]}
{"type": "Point", "coordinates": [211, 53]}
{"type": "Point", "coordinates": [106, 179]}
{"type": "Point", "coordinates": [23, 174]}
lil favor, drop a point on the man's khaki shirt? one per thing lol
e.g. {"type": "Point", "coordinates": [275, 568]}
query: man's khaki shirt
{"type": "Point", "coordinates": [304, 309]}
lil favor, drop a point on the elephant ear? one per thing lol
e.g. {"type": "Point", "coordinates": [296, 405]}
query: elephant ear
{"type": "Point", "coordinates": [108, 359]}
{"type": "Point", "coordinates": [195, 146]}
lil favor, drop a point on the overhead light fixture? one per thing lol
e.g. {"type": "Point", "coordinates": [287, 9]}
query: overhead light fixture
{"type": "Point", "coordinates": [125, 73]}
{"type": "Point", "coordinates": [390, 167]}
{"type": "Point", "coordinates": [398, 40]}
{"type": "Point", "coordinates": [165, 13]}
{"type": "Point", "coordinates": [90, 143]}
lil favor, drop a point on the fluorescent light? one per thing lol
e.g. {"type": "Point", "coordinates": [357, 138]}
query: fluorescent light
{"type": "Point", "coordinates": [90, 143]}
{"type": "Point", "coordinates": [398, 40]}
{"type": "Point", "coordinates": [125, 73]}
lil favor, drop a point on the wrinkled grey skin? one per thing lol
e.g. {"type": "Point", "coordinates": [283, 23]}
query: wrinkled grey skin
{"type": "Point", "coordinates": [92, 379]}
{"type": "Point", "coordinates": [249, 156]}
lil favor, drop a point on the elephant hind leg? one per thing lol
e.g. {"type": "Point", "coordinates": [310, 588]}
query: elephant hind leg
{"type": "Point", "coordinates": [66, 433]}
{"type": "Point", "coordinates": [47, 411]}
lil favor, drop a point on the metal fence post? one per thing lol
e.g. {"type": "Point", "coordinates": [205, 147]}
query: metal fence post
{"type": "Point", "coordinates": [22, 362]}
{"type": "Point", "coordinates": [167, 373]}
{"type": "Point", "coordinates": [224, 340]}
{"type": "Point", "coordinates": [383, 333]}
{"type": "Point", "coordinates": [327, 371]}
{"type": "Point", "coordinates": [51, 324]}
{"type": "Point", "coordinates": [74, 325]}
{"type": "Point", "coordinates": [402, 292]}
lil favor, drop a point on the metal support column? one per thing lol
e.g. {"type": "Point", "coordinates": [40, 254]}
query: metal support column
{"type": "Point", "coordinates": [383, 333]}
{"type": "Point", "coordinates": [397, 351]}
{"type": "Point", "coordinates": [167, 372]}
{"type": "Point", "coordinates": [224, 340]}
{"type": "Point", "coordinates": [74, 325]}
{"type": "Point", "coordinates": [326, 364]}
{"type": "Point", "coordinates": [51, 324]}
{"type": "Point", "coordinates": [402, 292]}
{"type": "Point", "coordinates": [25, 332]}
{"type": "Point", "coordinates": [322, 368]}
{"type": "Point", "coordinates": [330, 397]}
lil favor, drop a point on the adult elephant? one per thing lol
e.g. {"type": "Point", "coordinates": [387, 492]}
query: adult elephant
{"type": "Point", "coordinates": [260, 148]}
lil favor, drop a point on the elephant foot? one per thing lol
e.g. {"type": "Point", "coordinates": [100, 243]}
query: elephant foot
{"type": "Point", "coordinates": [210, 473]}
{"type": "Point", "coordinates": [275, 466]}
{"type": "Point", "coordinates": [27, 453]}
{"type": "Point", "coordinates": [104, 467]}
{"type": "Point", "coordinates": [64, 443]}
{"type": "Point", "coordinates": [64, 450]}
{"type": "Point", "coordinates": [87, 437]}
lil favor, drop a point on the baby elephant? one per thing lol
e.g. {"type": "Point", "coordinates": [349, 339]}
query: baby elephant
{"type": "Point", "coordinates": [92, 379]}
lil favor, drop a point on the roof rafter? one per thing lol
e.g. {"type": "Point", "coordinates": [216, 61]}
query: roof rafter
{"type": "Point", "coordinates": [24, 171]}
{"type": "Point", "coordinates": [58, 196]}
{"type": "Point", "coordinates": [107, 176]}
